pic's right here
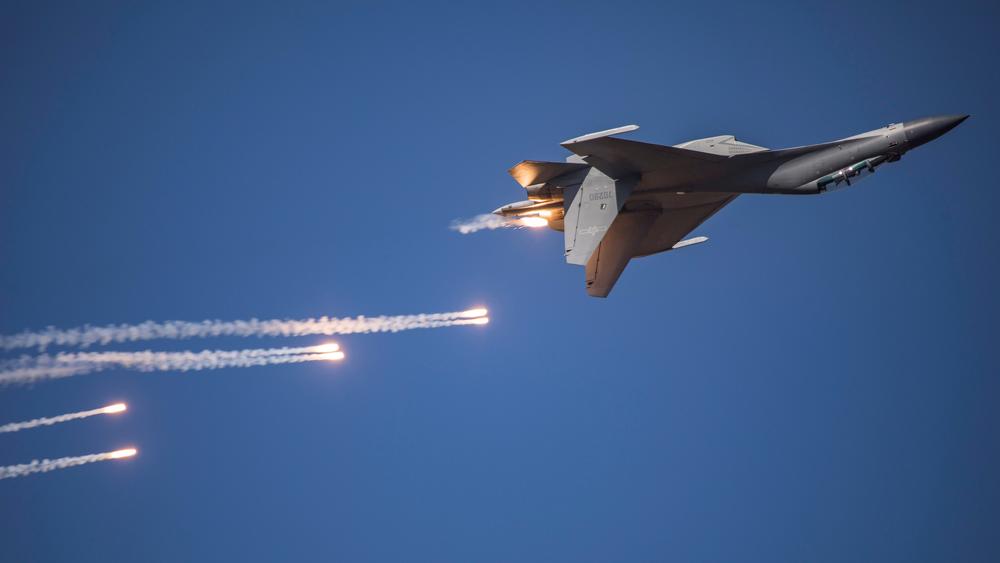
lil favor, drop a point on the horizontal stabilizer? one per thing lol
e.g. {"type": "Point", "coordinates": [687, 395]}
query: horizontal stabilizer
{"type": "Point", "coordinates": [621, 243]}
{"type": "Point", "coordinates": [533, 172]}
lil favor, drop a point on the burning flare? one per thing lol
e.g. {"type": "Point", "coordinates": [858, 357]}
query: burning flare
{"type": "Point", "coordinates": [329, 356]}
{"type": "Point", "coordinates": [47, 465]}
{"type": "Point", "coordinates": [118, 454]}
{"type": "Point", "coordinates": [66, 364]}
{"type": "Point", "coordinates": [471, 313]}
{"type": "Point", "coordinates": [177, 330]}
{"type": "Point", "coordinates": [49, 421]}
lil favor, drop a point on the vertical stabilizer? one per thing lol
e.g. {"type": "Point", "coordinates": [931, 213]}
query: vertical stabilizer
{"type": "Point", "coordinates": [590, 208]}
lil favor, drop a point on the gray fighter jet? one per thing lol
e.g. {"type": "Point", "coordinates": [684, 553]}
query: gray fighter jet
{"type": "Point", "coordinates": [616, 199]}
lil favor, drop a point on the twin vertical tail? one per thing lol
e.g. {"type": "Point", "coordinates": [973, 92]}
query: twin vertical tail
{"type": "Point", "coordinates": [578, 197]}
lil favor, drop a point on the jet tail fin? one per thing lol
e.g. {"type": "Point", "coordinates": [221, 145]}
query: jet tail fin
{"type": "Point", "coordinates": [590, 208]}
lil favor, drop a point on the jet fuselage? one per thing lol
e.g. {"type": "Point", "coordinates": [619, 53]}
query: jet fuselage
{"type": "Point", "coordinates": [813, 172]}
{"type": "Point", "coordinates": [617, 199]}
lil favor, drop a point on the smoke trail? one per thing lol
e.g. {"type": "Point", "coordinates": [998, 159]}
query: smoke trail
{"type": "Point", "coordinates": [49, 421]}
{"type": "Point", "coordinates": [480, 222]}
{"type": "Point", "coordinates": [149, 330]}
{"type": "Point", "coordinates": [67, 364]}
{"type": "Point", "coordinates": [46, 465]}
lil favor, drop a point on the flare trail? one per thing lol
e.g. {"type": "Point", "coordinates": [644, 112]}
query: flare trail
{"type": "Point", "coordinates": [46, 465]}
{"type": "Point", "coordinates": [89, 335]}
{"type": "Point", "coordinates": [49, 421]}
{"type": "Point", "coordinates": [65, 364]}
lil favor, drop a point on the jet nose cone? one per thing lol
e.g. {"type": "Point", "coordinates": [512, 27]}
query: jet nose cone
{"type": "Point", "coordinates": [920, 131]}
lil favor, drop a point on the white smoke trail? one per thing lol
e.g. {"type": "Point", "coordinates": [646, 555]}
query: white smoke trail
{"type": "Point", "coordinates": [67, 364]}
{"type": "Point", "coordinates": [480, 222]}
{"type": "Point", "coordinates": [49, 421]}
{"type": "Point", "coordinates": [149, 330]}
{"type": "Point", "coordinates": [46, 465]}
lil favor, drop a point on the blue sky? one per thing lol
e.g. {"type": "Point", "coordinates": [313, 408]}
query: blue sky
{"type": "Point", "coordinates": [817, 383]}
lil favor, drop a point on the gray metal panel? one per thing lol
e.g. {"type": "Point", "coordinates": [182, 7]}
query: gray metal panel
{"type": "Point", "coordinates": [589, 210]}
{"type": "Point", "coordinates": [672, 190]}
{"type": "Point", "coordinates": [680, 214]}
{"type": "Point", "coordinates": [620, 158]}
{"type": "Point", "coordinates": [609, 261]}
{"type": "Point", "coordinates": [646, 227]}
{"type": "Point", "coordinates": [726, 145]}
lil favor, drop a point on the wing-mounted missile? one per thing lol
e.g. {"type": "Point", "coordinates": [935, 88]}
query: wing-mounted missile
{"type": "Point", "coordinates": [848, 176]}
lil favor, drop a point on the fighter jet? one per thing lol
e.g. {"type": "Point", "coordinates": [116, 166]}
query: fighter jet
{"type": "Point", "coordinates": [616, 199]}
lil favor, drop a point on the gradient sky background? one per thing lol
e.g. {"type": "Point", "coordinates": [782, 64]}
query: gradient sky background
{"type": "Point", "coordinates": [817, 383]}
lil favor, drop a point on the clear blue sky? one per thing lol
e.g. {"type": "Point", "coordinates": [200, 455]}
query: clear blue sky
{"type": "Point", "coordinates": [817, 383]}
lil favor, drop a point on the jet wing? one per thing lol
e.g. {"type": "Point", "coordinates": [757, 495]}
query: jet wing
{"type": "Point", "coordinates": [619, 158]}
{"type": "Point", "coordinates": [644, 232]}
{"type": "Point", "coordinates": [662, 166]}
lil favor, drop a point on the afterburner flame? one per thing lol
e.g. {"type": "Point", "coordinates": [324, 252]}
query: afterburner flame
{"type": "Point", "coordinates": [533, 222]}
{"type": "Point", "coordinates": [480, 321]}
{"type": "Point", "coordinates": [326, 348]}
{"type": "Point", "coordinates": [118, 454]}
{"type": "Point", "coordinates": [479, 312]}
{"type": "Point", "coordinates": [117, 407]}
